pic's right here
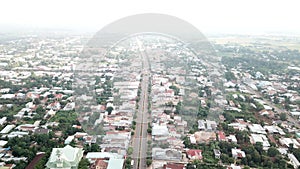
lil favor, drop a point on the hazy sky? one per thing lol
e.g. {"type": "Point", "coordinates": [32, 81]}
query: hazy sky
{"type": "Point", "coordinates": [211, 16]}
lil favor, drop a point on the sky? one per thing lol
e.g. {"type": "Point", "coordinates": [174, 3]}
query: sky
{"type": "Point", "coordinates": [213, 16]}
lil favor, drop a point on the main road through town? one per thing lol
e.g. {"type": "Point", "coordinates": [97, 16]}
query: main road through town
{"type": "Point", "coordinates": [140, 137]}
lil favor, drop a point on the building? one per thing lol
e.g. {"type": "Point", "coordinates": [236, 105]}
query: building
{"type": "Point", "coordinates": [3, 143]}
{"type": "Point", "coordinates": [173, 166]}
{"type": "Point", "coordinates": [115, 163]}
{"type": "Point", "coordinates": [288, 141]}
{"type": "Point", "coordinates": [166, 154]}
{"type": "Point", "coordinates": [204, 136]}
{"type": "Point", "coordinates": [99, 164]}
{"type": "Point", "coordinates": [238, 153]}
{"type": "Point", "coordinates": [7, 129]}
{"type": "Point", "coordinates": [194, 154]}
{"type": "Point", "coordinates": [93, 156]}
{"type": "Point", "coordinates": [256, 128]}
{"type": "Point", "coordinates": [64, 158]}
{"type": "Point", "coordinates": [294, 160]}
{"type": "Point", "coordinates": [69, 139]}
{"type": "Point", "coordinates": [221, 136]}
{"type": "Point", "coordinates": [260, 138]}
{"type": "Point", "coordinates": [231, 138]}
{"type": "Point", "coordinates": [232, 166]}
{"type": "Point", "coordinates": [217, 153]}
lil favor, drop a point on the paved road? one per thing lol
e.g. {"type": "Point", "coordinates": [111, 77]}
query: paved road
{"type": "Point", "coordinates": [140, 138]}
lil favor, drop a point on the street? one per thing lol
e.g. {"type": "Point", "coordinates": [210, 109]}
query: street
{"type": "Point", "coordinates": [140, 137]}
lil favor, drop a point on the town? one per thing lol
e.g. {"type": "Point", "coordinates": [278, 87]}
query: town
{"type": "Point", "coordinates": [157, 104]}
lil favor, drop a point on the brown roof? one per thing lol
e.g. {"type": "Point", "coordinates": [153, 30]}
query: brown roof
{"type": "Point", "coordinates": [35, 160]}
{"type": "Point", "coordinates": [41, 131]}
{"type": "Point", "coordinates": [173, 166]}
{"type": "Point", "coordinates": [99, 163]}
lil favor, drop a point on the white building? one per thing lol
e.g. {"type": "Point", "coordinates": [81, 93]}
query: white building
{"type": "Point", "coordinates": [294, 160]}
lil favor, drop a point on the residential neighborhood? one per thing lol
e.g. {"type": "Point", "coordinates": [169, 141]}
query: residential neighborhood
{"type": "Point", "coordinates": [244, 115]}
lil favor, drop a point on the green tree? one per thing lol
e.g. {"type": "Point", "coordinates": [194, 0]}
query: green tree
{"type": "Point", "coordinates": [256, 157]}
{"type": "Point", "coordinates": [84, 164]}
{"type": "Point", "coordinates": [283, 116]}
{"type": "Point", "coordinates": [95, 148]}
{"type": "Point", "coordinates": [149, 162]}
{"type": "Point", "coordinates": [225, 158]}
{"type": "Point", "coordinates": [229, 76]}
{"type": "Point", "coordinates": [272, 152]}
{"type": "Point", "coordinates": [109, 110]}
{"type": "Point", "coordinates": [175, 88]}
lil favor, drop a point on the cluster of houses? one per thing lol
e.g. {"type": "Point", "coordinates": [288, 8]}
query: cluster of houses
{"type": "Point", "coordinates": [168, 128]}
{"type": "Point", "coordinates": [255, 91]}
{"type": "Point", "coordinates": [167, 91]}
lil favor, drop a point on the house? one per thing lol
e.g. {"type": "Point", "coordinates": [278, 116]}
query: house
{"type": "Point", "coordinates": [80, 134]}
{"type": "Point", "coordinates": [41, 131]}
{"type": "Point", "coordinates": [274, 130]}
{"type": "Point", "coordinates": [93, 156]}
{"type": "Point", "coordinates": [69, 106]}
{"type": "Point", "coordinates": [221, 136]}
{"type": "Point", "coordinates": [217, 153]}
{"type": "Point", "coordinates": [99, 164]}
{"type": "Point", "coordinates": [232, 166]}
{"type": "Point", "coordinates": [204, 136]}
{"type": "Point", "coordinates": [64, 158]}
{"type": "Point", "coordinates": [17, 134]}
{"type": "Point", "coordinates": [201, 125]}
{"type": "Point", "coordinates": [29, 105]}
{"type": "Point", "coordinates": [294, 160]}
{"type": "Point", "coordinates": [54, 106]}
{"type": "Point", "coordinates": [4, 90]}
{"type": "Point", "coordinates": [240, 124]}
{"type": "Point", "coordinates": [173, 166]}
{"type": "Point", "coordinates": [287, 141]}
{"type": "Point", "coordinates": [268, 113]}
{"type": "Point", "coordinates": [7, 129]}
{"type": "Point", "coordinates": [166, 154]}
{"type": "Point", "coordinates": [26, 127]}
{"type": "Point", "coordinates": [69, 139]}
{"type": "Point", "coordinates": [3, 143]}
{"type": "Point", "coordinates": [238, 153]}
{"type": "Point", "coordinates": [254, 138]}
{"type": "Point", "coordinates": [117, 141]}
{"type": "Point", "coordinates": [194, 154]}
{"type": "Point", "coordinates": [283, 151]}
{"type": "Point", "coordinates": [8, 96]}
{"type": "Point", "coordinates": [256, 128]}
{"type": "Point", "coordinates": [51, 112]}
{"type": "Point", "coordinates": [3, 120]}
{"type": "Point", "coordinates": [231, 138]}
{"type": "Point", "coordinates": [90, 139]}
{"type": "Point", "coordinates": [295, 113]}
{"type": "Point", "coordinates": [211, 125]}
{"type": "Point", "coordinates": [160, 132]}
{"type": "Point", "coordinates": [193, 139]}
{"type": "Point", "coordinates": [8, 166]}
{"type": "Point", "coordinates": [115, 163]}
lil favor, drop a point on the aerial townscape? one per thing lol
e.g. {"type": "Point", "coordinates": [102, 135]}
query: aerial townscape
{"type": "Point", "coordinates": [152, 103]}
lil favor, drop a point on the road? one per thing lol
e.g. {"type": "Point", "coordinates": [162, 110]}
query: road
{"type": "Point", "coordinates": [140, 137]}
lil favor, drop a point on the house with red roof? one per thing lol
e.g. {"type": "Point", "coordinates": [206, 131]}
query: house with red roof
{"type": "Point", "coordinates": [194, 154]}
{"type": "Point", "coordinates": [173, 166]}
{"type": "Point", "coordinates": [238, 153]}
{"type": "Point", "coordinates": [99, 164]}
{"type": "Point", "coordinates": [221, 136]}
